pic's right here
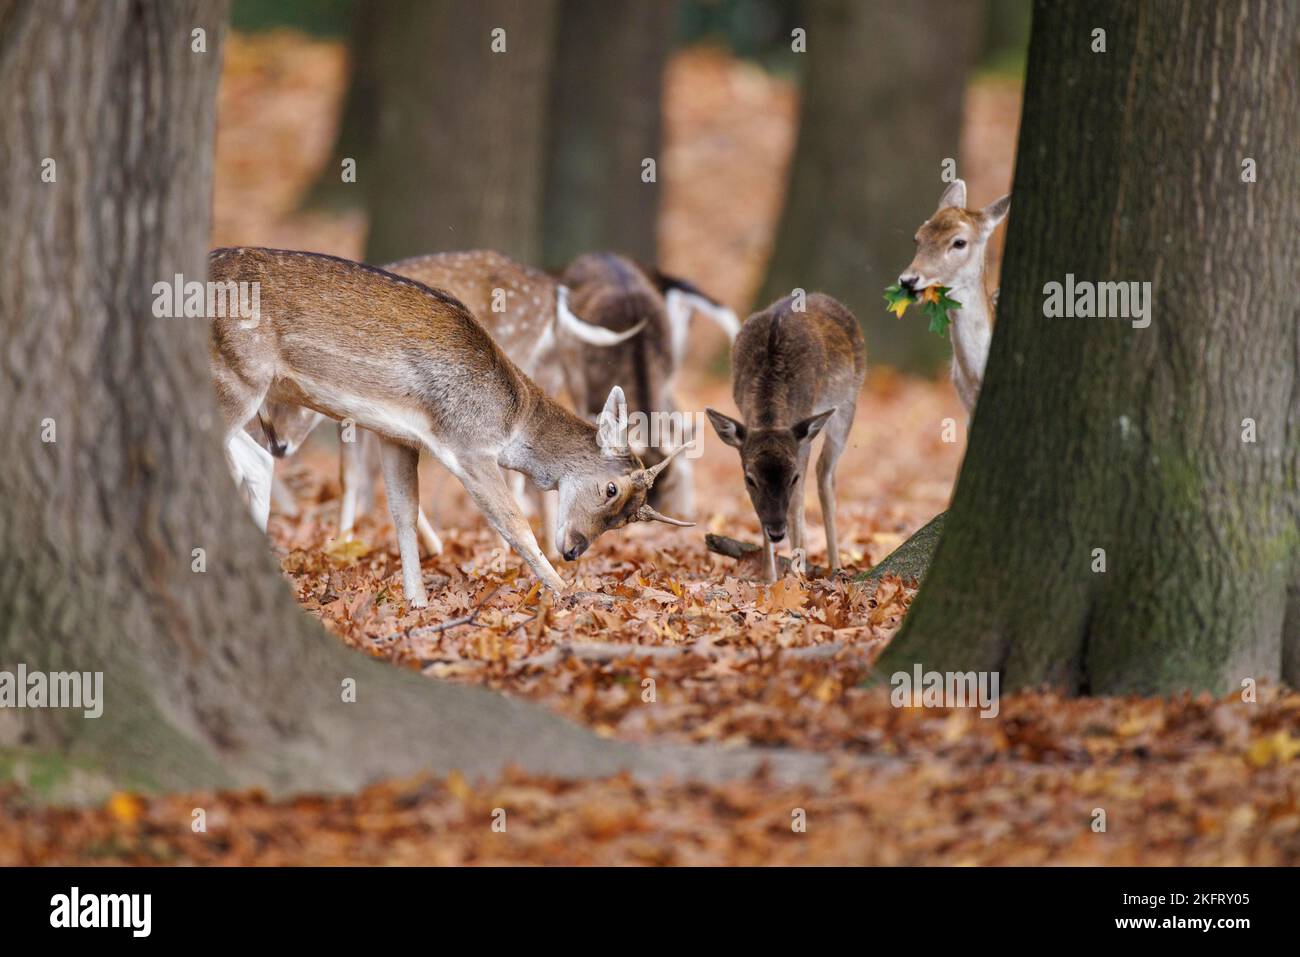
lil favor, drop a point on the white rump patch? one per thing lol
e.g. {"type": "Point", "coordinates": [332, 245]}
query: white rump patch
{"type": "Point", "coordinates": [682, 304]}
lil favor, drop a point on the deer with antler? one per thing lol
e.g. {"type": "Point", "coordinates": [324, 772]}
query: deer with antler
{"type": "Point", "coordinates": [411, 364]}
{"type": "Point", "coordinates": [950, 249]}
{"type": "Point", "coordinates": [527, 313]}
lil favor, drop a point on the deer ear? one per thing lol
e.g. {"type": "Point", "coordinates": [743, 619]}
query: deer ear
{"type": "Point", "coordinates": [728, 429]}
{"type": "Point", "coordinates": [611, 426]}
{"type": "Point", "coordinates": [954, 195]}
{"type": "Point", "coordinates": [806, 429]}
{"type": "Point", "coordinates": [995, 212]}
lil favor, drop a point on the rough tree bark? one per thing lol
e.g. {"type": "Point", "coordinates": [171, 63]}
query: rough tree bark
{"type": "Point", "coordinates": [1091, 434]}
{"type": "Point", "coordinates": [881, 110]}
{"type": "Point", "coordinates": [605, 119]}
{"type": "Point", "coordinates": [458, 158]}
{"type": "Point", "coordinates": [211, 677]}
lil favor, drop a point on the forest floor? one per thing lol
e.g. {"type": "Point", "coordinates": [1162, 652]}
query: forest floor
{"type": "Point", "coordinates": [672, 643]}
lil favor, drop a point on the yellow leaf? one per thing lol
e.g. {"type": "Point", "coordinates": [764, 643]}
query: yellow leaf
{"type": "Point", "coordinates": [347, 550]}
{"type": "Point", "coordinates": [125, 807]}
{"type": "Point", "coordinates": [1280, 748]}
{"type": "Point", "coordinates": [458, 786]}
{"type": "Point", "coordinates": [898, 308]}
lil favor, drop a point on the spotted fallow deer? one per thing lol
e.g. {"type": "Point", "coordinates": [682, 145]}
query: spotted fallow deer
{"type": "Point", "coordinates": [615, 293]}
{"type": "Point", "coordinates": [797, 372]}
{"type": "Point", "coordinates": [950, 248]}
{"type": "Point", "coordinates": [412, 365]}
{"type": "Point", "coordinates": [526, 312]}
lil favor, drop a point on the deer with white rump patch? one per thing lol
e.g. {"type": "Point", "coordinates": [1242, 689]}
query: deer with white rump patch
{"type": "Point", "coordinates": [950, 249]}
{"type": "Point", "coordinates": [526, 312]}
{"type": "Point", "coordinates": [412, 365]}
{"type": "Point", "coordinates": [616, 294]}
{"type": "Point", "coordinates": [796, 373]}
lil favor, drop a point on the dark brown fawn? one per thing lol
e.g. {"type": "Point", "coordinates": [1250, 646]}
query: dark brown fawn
{"type": "Point", "coordinates": [412, 365]}
{"type": "Point", "coordinates": [613, 292]}
{"type": "Point", "coordinates": [796, 373]}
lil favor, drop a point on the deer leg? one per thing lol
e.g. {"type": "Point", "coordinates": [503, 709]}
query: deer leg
{"type": "Point", "coordinates": [251, 466]}
{"type": "Point", "coordinates": [368, 449]}
{"type": "Point", "coordinates": [795, 515]}
{"type": "Point", "coordinates": [254, 471]}
{"type": "Point", "coordinates": [402, 482]}
{"type": "Point", "coordinates": [519, 489]}
{"type": "Point", "coordinates": [351, 467]}
{"type": "Point", "coordinates": [283, 498]}
{"type": "Point", "coordinates": [677, 496]}
{"type": "Point", "coordinates": [769, 558]}
{"type": "Point", "coordinates": [487, 486]}
{"type": "Point", "coordinates": [831, 449]}
{"type": "Point", "coordinates": [548, 505]}
{"type": "Point", "coordinates": [428, 537]}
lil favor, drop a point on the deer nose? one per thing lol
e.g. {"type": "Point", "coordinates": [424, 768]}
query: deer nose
{"type": "Point", "coordinates": [577, 545]}
{"type": "Point", "coordinates": [774, 533]}
{"type": "Point", "coordinates": [908, 282]}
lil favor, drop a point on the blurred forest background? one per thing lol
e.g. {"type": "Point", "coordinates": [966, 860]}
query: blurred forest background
{"type": "Point", "coordinates": [774, 169]}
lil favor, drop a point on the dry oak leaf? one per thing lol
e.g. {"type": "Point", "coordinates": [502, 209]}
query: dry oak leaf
{"type": "Point", "coordinates": [785, 595]}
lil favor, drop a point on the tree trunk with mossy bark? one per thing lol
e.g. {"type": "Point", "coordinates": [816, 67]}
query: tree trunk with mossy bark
{"type": "Point", "coordinates": [123, 546]}
{"type": "Point", "coordinates": [881, 110]}
{"type": "Point", "coordinates": [1170, 452]}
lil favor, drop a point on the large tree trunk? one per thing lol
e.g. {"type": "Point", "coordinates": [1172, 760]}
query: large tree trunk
{"type": "Point", "coordinates": [459, 153]}
{"type": "Point", "coordinates": [605, 120]}
{"type": "Point", "coordinates": [881, 110]}
{"type": "Point", "coordinates": [210, 677]}
{"type": "Point", "coordinates": [1091, 434]}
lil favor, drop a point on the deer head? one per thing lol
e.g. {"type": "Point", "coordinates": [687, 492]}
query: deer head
{"type": "Point", "coordinates": [610, 489]}
{"type": "Point", "coordinates": [773, 460]}
{"type": "Point", "coordinates": [286, 426]}
{"type": "Point", "coordinates": [950, 244]}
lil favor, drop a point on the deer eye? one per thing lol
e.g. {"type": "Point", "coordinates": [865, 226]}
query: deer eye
{"type": "Point", "coordinates": [611, 490]}
{"type": "Point", "coordinates": [959, 244]}
{"type": "Point", "coordinates": [794, 480]}
{"type": "Point", "coordinates": [749, 480]}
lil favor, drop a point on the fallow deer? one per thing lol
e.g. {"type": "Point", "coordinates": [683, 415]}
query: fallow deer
{"type": "Point", "coordinates": [950, 249]}
{"type": "Point", "coordinates": [524, 309]}
{"type": "Point", "coordinates": [615, 293]}
{"type": "Point", "coordinates": [412, 364]}
{"type": "Point", "coordinates": [797, 372]}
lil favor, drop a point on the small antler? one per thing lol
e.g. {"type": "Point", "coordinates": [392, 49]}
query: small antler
{"type": "Point", "coordinates": [644, 478]}
{"type": "Point", "coordinates": [647, 514]}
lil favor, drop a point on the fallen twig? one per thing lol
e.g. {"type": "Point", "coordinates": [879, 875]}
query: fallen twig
{"type": "Point", "coordinates": [469, 619]}
{"type": "Point", "coordinates": [606, 652]}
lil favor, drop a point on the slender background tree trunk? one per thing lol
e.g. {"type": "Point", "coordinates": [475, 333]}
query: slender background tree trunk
{"type": "Point", "coordinates": [606, 118]}
{"type": "Point", "coordinates": [459, 150]}
{"type": "Point", "coordinates": [881, 110]}
{"type": "Point", "coordinates": [1091, 434]}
